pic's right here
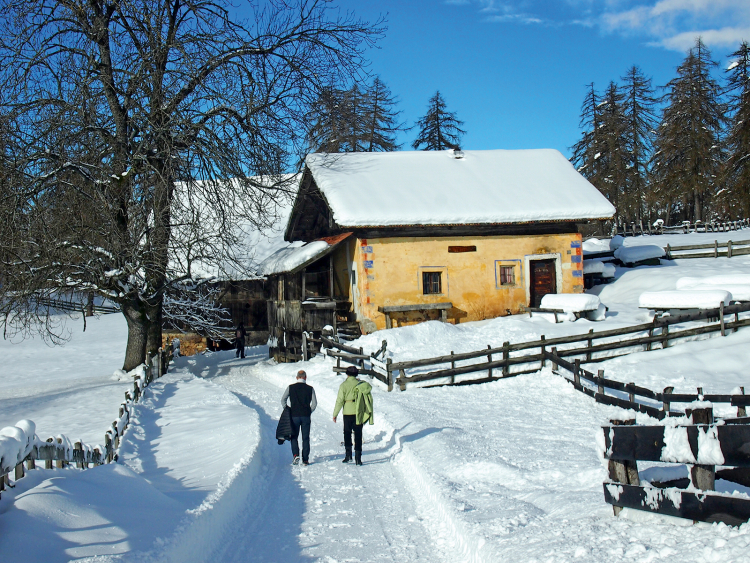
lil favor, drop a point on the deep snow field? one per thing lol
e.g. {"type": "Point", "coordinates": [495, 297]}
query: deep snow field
{"type": "Point", "coordinates": [503, 471]}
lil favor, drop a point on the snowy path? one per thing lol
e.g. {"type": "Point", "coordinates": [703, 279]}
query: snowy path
{"type": "Point", "coordinates": [327, 511]}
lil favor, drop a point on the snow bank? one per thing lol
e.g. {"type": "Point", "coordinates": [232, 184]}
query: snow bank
{"type": "Point", "coordinates": [736, 284]}
{"type": "Point", "coordinates": [686, 299]}
{"type": "Point", "coordinates": [571, 303]}
{"type": "Point", "coordinates": [633, 254]}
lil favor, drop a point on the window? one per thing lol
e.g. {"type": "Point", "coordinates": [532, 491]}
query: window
{"type": "Point", "coordinates": [507, 275]}
{"type": "Point", "coordinates": [431, 283]}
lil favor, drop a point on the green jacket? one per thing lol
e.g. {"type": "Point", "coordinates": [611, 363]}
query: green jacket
{"type": "Point", "coordinates": [363, 403]}
{"type": "Point", "coordinates": [345, 398]}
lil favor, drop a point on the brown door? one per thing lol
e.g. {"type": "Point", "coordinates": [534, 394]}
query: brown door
{"type": "Point", "coordinates": [543, 280]}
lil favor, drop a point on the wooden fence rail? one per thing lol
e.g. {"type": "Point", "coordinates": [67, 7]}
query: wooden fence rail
{"type": "Point", "coordinates": [63, 452]}
{"type": "Point", "coordinates": [634, 229]}
{"type": "Point", "coordinates": [726, 443]}
{"type": "Point", "coordinates": [499, 360]}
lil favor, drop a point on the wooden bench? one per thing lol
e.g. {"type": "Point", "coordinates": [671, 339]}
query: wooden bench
{"type": "Point", "coordinates": [390, 309]}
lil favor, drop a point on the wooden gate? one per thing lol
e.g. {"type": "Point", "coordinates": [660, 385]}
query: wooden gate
{"type": "Point", "coordinates": [543, 280]}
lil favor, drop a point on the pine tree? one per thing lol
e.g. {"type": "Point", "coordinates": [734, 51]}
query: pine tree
{"type": "Point", "coordinates": [687, 151]}
{"type": "Point", "coordinates": [638, 103]}
{"type": "Point", "coordinates": [601, 154]}
{"type": "Point", "coordinates": [439, 129]}
{"type": "Point", "coordinates": [736, 174]}
{"type": "Point", "coordinates": [382, 123]}
{"type": "Point", "coordinates": [331, 122]}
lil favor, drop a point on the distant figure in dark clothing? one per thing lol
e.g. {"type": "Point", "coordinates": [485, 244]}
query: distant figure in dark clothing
{"type": "Point", "coordinates": [239, 341]}
{"type": "Point", "coordinates": [303, 402]}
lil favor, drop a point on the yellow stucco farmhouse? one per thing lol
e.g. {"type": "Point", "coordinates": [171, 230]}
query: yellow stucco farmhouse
{"type": "Point", "coordinates": [379, 239]}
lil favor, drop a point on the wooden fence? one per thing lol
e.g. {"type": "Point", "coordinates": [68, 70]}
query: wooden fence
{"type": "Point", "coordinates": [726, 443]}
{"type": "Point", "coordinates": [635, 229]}
{"type": "Point", "coordinates": [63, 452]}
{"type": "Point", "coordinates": [728, 249]}
{"type": "Point", "coordinates": [505, 361]}
{"type": "Point", "coordinates": [74, 306]}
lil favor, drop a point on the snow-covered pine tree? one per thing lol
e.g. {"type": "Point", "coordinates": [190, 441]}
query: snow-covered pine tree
{"type": "Point", "coordinates": [736, 177]}
{"type": "Point", "coordinates": [638, 109]}
{"type": "Point", "coordinates": [687, 147]}
{"type": "Point", "coordinates": [439, 129]}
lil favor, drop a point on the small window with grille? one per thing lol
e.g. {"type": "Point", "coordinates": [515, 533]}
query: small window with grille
{"type": "Point", "coordinates": [432, 283]}
{"type": "Point", "coordinates": [507, 275]}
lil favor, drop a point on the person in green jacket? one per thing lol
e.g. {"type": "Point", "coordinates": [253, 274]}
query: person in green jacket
{"type": "Point", "coordinates": [347, 400]}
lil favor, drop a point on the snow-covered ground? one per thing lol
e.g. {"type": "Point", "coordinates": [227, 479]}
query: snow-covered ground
{"type": "Point", "coordinates": [502, 471]}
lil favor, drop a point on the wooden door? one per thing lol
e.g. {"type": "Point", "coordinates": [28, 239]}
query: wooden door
{"type": "Point", "coordinates": [543, 280]}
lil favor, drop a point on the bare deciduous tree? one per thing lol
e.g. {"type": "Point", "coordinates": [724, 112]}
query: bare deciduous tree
{"type": "Point", "coordinates": [114, 103]}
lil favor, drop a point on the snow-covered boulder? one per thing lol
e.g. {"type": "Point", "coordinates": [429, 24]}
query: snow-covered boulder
{"type": "Point", "coordinates": [633, 254]}
{"type": "Point", "coordinates": [571, 302]}
{"type": "Point", "coordinates": [684, 299]}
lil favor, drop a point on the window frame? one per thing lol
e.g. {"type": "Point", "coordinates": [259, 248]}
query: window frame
{"type": "Point", "coordinates": [428, 282]}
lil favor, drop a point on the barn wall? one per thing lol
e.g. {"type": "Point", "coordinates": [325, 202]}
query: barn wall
{"type": "Point", "coordinates": [389, 272]}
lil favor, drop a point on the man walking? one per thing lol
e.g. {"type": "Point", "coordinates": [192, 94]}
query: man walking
{"type": "Point", "coordinates": [239, 341]}
{"type": "Point", "coordinates": [302, 401]}
{"type": "Point", "coordinates": [347, 399]}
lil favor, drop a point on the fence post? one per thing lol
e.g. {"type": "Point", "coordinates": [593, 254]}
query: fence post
{"type": "Point", "coordinates": [78, 453]}
{"type": "Point", "coordinates": [389, 373]}
{"type": "Point", "coordinates": [665, 404]}
{"type": "Point", "coordinates": [741, 410]}
{"type": "Point", "coordinates": [716, 249]}
{"type": "Point", "coordinates": [453, 366]}
{"type": "Point", "coordinates": [544, 350]}
{"type": "Point", "coordinates": [631, 395]}
{"type": "Point", "coordinates": [590, 342]}
{"type": "Point", "coordinates": [160, 365]}
{"type": "Point", "coordinates": [729, 249]}
{"type": "Point", "coordinates": [48, 462]}
{"type": "Point", "coordinates": [506, 357]}
{"type": "Point", "coordinates": [30, 463]}
{"type": "Point", "coordinates": [702, 477]}
{"type": "Point", "coordinates": [665, 334]}
{"type": "Point", "coordinates": [721, 318]}
{"type": "Point", "coordinates": [60, 463]}
{"type": "Point", "coordinates": [489, 359]}
{"type": "Point", "coordinates": [623, 471]}
{"type": "Point", "coordinates": [401, 380]}
{"type": "Point", "coordinates": [361, 360]}
{"type": "Point", "coordinates": [599, 384]}
{"type": "Point", "coordinates": [554, 363]}
{"type": "Point", "coordinates": [304, 345]}
{"type": "Point", "coordinates": [18, 472]}
{"type": "Point", "coordinates": [577, 372]}
{"type": "Point", "coordinates": [669, 252]}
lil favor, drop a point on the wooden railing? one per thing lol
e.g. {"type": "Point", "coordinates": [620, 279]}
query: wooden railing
{"type": "Point", "coordinates": [500, 361]}
{"type": "Point", "coordinates": [728, 249]}
{"type": "Point", "coordinates": [708, 444]}
{"type": "Point", "coordinates": [82, 307]}
{"type": "Point", "coordinates": [63, 452]}
{"type": "Point", "coordinates": [635, 229]}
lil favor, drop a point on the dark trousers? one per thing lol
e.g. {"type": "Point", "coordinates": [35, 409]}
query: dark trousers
{"type": "Point", "coordinates": [350, 423]}
{"type": "Point", "coordinates": [240, 348]}
{"type": "Point", "coordinates": [301, 422]}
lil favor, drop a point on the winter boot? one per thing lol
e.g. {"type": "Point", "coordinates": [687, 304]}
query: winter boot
{"type": "Point", "coordinates": [358, 458]}
{"type": "Point", "coordinates": [348, 457]}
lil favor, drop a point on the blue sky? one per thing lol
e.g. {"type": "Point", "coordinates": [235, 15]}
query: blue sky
{"type": "Point", "coordinates": [515, 71]}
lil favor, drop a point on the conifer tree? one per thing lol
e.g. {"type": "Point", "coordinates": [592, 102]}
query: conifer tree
{"type": "Point", "coordinates": [737, 166]}
{"type": "Point", "coordinates": [638, 109]}
{"type": "Point", "coordinates": [687, 151]}
{"type": "Point", "coordinates": [439, 129]}
{"type": "Point", "coordinates": [382, 123]}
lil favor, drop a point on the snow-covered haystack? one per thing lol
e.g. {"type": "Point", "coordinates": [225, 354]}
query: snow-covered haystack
{"type": "Point", "coordinates": [635, 254]}
{"type": "Point", "coordinates": [684, 299]}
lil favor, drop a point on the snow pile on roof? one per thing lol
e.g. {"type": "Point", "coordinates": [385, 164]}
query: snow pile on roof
{"type": "Point", "coordinates": [633, 254]}
{"type": "Point", "coordinates": [606, 269]}
{"type": "Point", "coordinates": [435, 188]}
{"type": "Point", "coordinates": [684, 299]}
{"type": "Point", "coordinates": [291, 257]}
{"type": "Point", "coordinates": [571, 302]}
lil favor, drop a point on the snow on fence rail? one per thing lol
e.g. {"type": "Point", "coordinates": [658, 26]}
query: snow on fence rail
{"type": "Point", "coordinates": [500, 360]}
{"type": "Point", "coordinates": [728, 249]}
{"type": "Point", "coordinates": [19, 444]}
{"type": "Point", "coordinates": [700, 444]}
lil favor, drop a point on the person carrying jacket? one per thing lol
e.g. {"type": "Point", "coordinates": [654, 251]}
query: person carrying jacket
{"type": "Point", "coordinates": [302, 401]}
{"type": "Point", "coordinates": [347, 400]}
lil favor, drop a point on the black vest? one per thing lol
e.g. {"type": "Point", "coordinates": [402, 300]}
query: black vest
{"type": "Point", "coordinates": [300, 395]}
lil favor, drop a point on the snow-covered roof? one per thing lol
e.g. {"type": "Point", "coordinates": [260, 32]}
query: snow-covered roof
{"type": "Point", "coordinates": [436, 188]}
{"type": "Point", "coordinates": [297, 255]}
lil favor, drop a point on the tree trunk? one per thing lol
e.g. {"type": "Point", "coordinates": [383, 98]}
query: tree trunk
{"type": "Point", "coordinates": [135, 353]}
{"type": "Point", "coordinates": [154, 337]}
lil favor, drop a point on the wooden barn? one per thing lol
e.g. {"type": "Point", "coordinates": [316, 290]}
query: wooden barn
{"type": "Point", "coordinates": [381, 239]}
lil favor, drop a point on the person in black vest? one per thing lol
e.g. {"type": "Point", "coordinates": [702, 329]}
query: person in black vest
{"type": "Point", "coordinates": [239, 341]}
{"type": "Point", "coordinates": [302, 400]}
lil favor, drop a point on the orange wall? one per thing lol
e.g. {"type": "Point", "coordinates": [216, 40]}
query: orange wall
{"type": "Point", "coordinates": [389, 272]}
